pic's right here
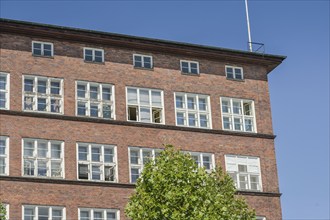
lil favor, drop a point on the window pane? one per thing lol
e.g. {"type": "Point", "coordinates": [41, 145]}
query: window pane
{"type": "Point", "coordinates": [36, 48]}
{"type": "Point", "coordinates": [2, 147]}
{"type": "Point", "coordinates": [134, 157]}
{"type": "Point", "coordinates": [203, 121]}
{"type": "Point", "coordinates": [96, 172]}
{"type": "Point", "coordinates": [144, 97]}
{"type": "Point", "coordinates": [2, 100]}
{"type": "Point", "coordinates": [42, 213]}
{"type": "Point", "coordinates": [55, 88]}
{"type": "Point", "coordinates": [98, 215]}
{"type": "Point", "coordinates": [185, 67]}
{"type": "Point", "coordinates": [137, 61]}
{"type": "Point", "coordinates": [145, 114]}
{"type": "Point", "coordinates": [247, 108]}
{"type": "Point", "coordinates": [109, 173]}
{"type": "Point", "coordinates": [106, 111]}
{"type": "Point", "coordinates": [192, 119]}
{"type": "Point", "coordinates": [180, 118]}
{"type": "Point", "coordinates": [3, 82]}
{"type": "Point", "coordinates": [229, 72]}
{"type": "Point", "coordinates": [28, 148]}
{"type": "Point", "coordinates": [28, 103]}
{"type": "Point", "coordinates": [42, 104]}
{"type": "Point", "coordinates": [96, 153]}
{"type": "Point", "coordinates": [28, 85]}
{"type": "Point", "coordinates": [84, 215]}
{"type": "Point", "coordinates": [237, 108]}
{"type": "Point", "coordinates": [202, 104]}
{"type": "Point", "coordinates": [42, 168]}
{"type": "Point", "coordinates": [179, 101]}
{"type": "Point", "coordinates": [82, 153]}
{"type": "Point", "coordinates": [134, 175]}
{"type": "Point", "coordinates": [88, 55]}
{"type": "Point", "coordinates": [191, 102]}
{"type": "Point", "coordinates": [207, 162]}
{"type": "Point", "coordinates": [2, 165]}
{"type": "Point", "coordinates": [248, 124]}
{"type": "Point", "coordinates": [28, 213]}
{"type": "Point", "coordinates": [106, 94]}
{"type": "Point", "coordinates": [42, 149]}
{"type": "Point", "coordinates": [147, 62]}
{"type": "Point", "coordinates": [132, 96]}
{"type": "Point", "coordinates": [156, 98]}
{"type": "Point", "coordinates": [194, 68]}
{"type": "Point", "coordinates": [147, 156]}
{"type": "Point", "coordinates": [94, 110]}
{"type": "Point", "coordinates": [56, 214]}
{"type": "Point", "coordinates": [238, 73]}
{"type": "Point", "coordinates": [238, 124]}
{"type": "Point", "coordinates": [111, 216]}
{"type": "Point", "coordinates": [29, 167]}
{"type": "Point", "coordinates": [108, 155]}
{"type": "Point", "coordinates": [55, 105]}
{"type": "Point", "coordinates": [83, 171]}
{"type": "Point", "coordinates": [82, 110]}
{"type": "Point", "coordinates": [227, 123]}
{"type": "Point", "coordinates": [81, 91]}
{"type": "Point", "coordinates": [42, 86]}
{"type": "Point", "coordinates": [56, 170]}
{"type": "Point", "coordinates": [94, 92]}
{"type": "Point", "coordinates": [56, 150]}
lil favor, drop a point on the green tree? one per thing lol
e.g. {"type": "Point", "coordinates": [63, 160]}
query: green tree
{"type": "Point", "coordinates": [2, 212]}
{"type": "Point", "coordinates": [173, 187]}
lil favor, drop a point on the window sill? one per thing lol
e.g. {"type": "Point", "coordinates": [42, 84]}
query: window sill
{"type": "Point", "coordinates": [86, 116]}
{"type": "Point", "coordinates": [42, 56]}
{"type": "Point", "coordinates": [143, 68]}
{"type": "Point", "coordinates": [44, 112]}
{"type": "Point", "coordinates": [236, 80]}
{"type": "Point", "coordinates": [190, 74]}
{"type": "Point", "coordinates": [147, 123]}
{"type": "Point", "coordinates": [193, 127]}
{"type": "Point", "coordinates": [93, 62]}
{"type": "Point", "coordinates": [247, 132]}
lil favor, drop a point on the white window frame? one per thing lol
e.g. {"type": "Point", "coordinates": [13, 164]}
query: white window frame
{"type": "Point", "coordinates": [189, 67]}
{"type": "Point", "coordinates": [150, 106]}
{"type": "Point", "coordinates": [232, 116]}
{"type": "Point", "coordinates": [42, 48]}
{"type": "Point", "coordinates": [195, 111]}
{"type": "Point", "coordinates": [142, 61]}
{"type": "Point", "coordinates": [141, 161]}
{"type": "Point", "coordinates": [50, 209]}
{"type": "Point", "coordinates": [48, 158]}
{"type": "Point", "coordinates": [6, 90]}
{"type": "Point", "coordinates": [234, 73]}
{"type": "Point", "coordinates": [260, 217]}
{"type": "Point", "coordinates": [201, 161]}
{"type": "Point", "coordinates": [232, 168]}
{"type": "Point", "coordinates": [48, 96]}
{"type": "Point", "coordinates": [6, 155]}
{"type": "Point", "coordinates": [93, 54]}
{"type": "Point", "coordinates": [99, 101]}
{"type": "Point", "coordinates": [104, 211]}
{"type": "Point", "coordinates": [102, 164]}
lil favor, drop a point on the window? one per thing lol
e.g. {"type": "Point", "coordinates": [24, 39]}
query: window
{"type": "Point", "coordinates": [4, 90]}
{"type": "Point", "coordinates": [95, 100]}
{"type": "Point", "coordinates": [138, 157]}
{"type": "Point", "coordinates": [142, 61]}
{"type": "Point", "coordinates": [205, 160]}
{"type": "Point", "coordinates": [97, 162]}
{"type": "Point", "coordinates": [43, 212]}
{"type": "Point", "coordinates": [43, 158]}
{"type": "Point", "coordinates": [42, 94]}
{"type": "Point", "coordinates": [189, 67]}
{"type": "Point", "coordinates": [98, 214]}
{"type": "Point", "coordinates": [260, 218]}
{"type": "Point", "coordinates": [145, 105]}
{"type": "Point", "coordinates": [238, 115]}
{"type": "Point", "coordinates": [245, 172]}
{"type": "Point", "coordinates": [42, 49]}
{"type": "Point", "coordinates": [234, 72]}
{"type": "Point", "coordinates": [192, 110]}
{"type": "Point", "coordinates": [94, 55]}
{"type": "Point", "coordinates": [4, 155]}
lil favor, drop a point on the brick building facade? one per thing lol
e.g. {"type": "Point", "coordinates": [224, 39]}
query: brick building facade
{"type": "Point", "coordinates": [81, 111]}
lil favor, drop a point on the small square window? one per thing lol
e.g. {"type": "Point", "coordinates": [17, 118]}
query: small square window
{"type": "Point", "coordinates": [142, 61]}
{"type": "Point", "coordinates": [94, 55]}
{"type": "Point", "coordinates": [42, 49]}
{"type": "Point", "coordinates": [234, 72]}
{"type": "Point", "coordinates": [190, 67]}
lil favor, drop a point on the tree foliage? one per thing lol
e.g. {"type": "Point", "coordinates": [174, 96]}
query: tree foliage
{"type": "Point", "coordinates": [2, 212]}
{"type": "Point", "coordinates": [174, 188]}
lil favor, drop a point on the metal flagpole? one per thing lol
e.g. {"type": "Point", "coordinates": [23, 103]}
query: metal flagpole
{"type": "Point", "coordinates": [248, 25]}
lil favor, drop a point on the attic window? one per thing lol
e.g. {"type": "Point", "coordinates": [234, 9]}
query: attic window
{"type": "Point", "coordinates": [234, 72]}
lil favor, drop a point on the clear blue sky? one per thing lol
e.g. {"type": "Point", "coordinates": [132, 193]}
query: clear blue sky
{"type": "Point", "coordinates": [299, 87]}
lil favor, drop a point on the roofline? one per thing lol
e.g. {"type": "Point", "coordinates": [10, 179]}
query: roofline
{"type": "Point", "coordinates": [270, 57]}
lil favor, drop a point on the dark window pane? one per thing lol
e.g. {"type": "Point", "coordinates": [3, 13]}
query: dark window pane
{"type": "Point", "coordinates": [42, 104]}
{"type": "Point", "coordinates": [42, 85]}
{"type": "Point", "coordinates": [55, 88]}
{"type": "Point", "coordinates": [28, 85]}
{"type": "Point", "coordinates": [83, 171]}
{"type": "Point", "coordinates": [98, 59]}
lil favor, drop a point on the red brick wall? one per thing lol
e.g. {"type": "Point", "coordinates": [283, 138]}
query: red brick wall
{"type": "Point", "coordinates": [16, 59]}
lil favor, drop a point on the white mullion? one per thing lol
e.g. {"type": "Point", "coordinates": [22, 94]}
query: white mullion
{"type": "Point", "coordinates": [49, 160]}
{"type": "Point", "coordinates": [150, 105]}
{"type": "Point", "coordinates": [89, 160]}
{"type": "Point", "coordinates": [139, 105]}
{"type": "Point", "coordinates": [101, 101]}
{"type": "Point", "coordinates": [232, 115]}
{"type": "Point", "coordinates": [35, 158]}
{"type": "Point", "coordinates": [197, 109]}
{"type": "Point", "coordinates": [243, 116]}
{"type": "Point", "coordinates": [186, 110]}
{"type": "Point", "coordinates": [88, 103]}
{"type": "Point", "coordinates": [102, 163]}
{"type": "Point", "coordinates": [35, 94]}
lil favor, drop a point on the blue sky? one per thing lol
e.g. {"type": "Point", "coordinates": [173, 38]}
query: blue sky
{"type": "Point", "coordinates": [299, 87]}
